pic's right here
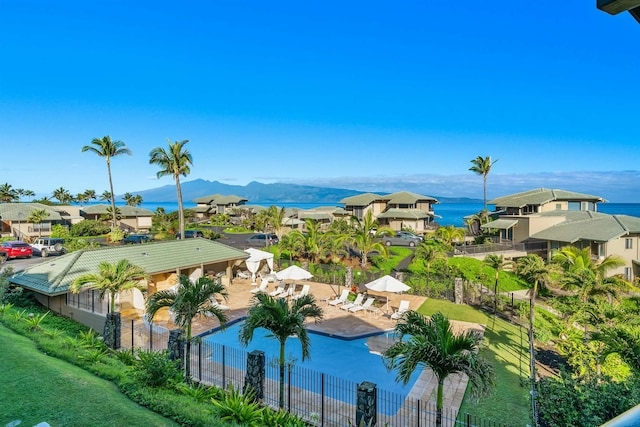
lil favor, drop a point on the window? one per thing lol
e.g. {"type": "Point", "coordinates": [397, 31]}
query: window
{"type": "Point", "coordinates": [628, 243]}
{"type": "Point", "coordinates": [574, 206]}
{"type": "Point", "coordinates": [600, 250]}
{"type": "Point", "coordinates": [627, 273]}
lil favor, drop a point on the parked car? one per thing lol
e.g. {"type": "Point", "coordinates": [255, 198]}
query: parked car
{"type": "Point", "coordinates": [403, 238]}
{"type": "Point", "coordinates": [136, 238]}
{"type": "Point", "coordinates": [191, 234]}
{"type": "Point", "coordinates": [262, 239]}
{"type": "Point", "coordinates": [46, 246]}
{"type": "Point", "coordinates": [16, 249]}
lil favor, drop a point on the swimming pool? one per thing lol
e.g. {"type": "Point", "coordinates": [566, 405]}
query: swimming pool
{"type": "Point", "coordinates": [346, 359]}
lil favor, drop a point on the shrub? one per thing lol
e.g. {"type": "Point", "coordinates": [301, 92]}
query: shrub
{"type": "Point", "coordinates": [155, 369]}
{"type": "Point", "coordinates": [116, 235]}
{"type": "Point", "coordinates": [240, 408]}
{"type": "Point", "coordinates": [89, 228]}
{"type": "Point", "coordinates": [60, 231]}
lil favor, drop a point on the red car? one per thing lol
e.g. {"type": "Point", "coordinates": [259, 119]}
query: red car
{"type": "Point", "coordinates": [16, 249]}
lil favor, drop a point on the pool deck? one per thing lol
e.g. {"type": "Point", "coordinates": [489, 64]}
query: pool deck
{"type": "Point", "coordinates": [346, 325]}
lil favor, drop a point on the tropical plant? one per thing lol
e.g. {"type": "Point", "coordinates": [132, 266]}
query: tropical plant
{"type": "Point", "coordinates": [367, 235]}
{"type": "Point", "coordinates": [8, 194]}
{"type": "Point", "coordinates": [449, 234]}
{"type": "Point", "coordinates": [431, 342]}
{"type": "Point", "coordinates": [37, 216]}
{"type": "Point", "coordinates": [243, 409]}
{"type": "Point", "coordinates": [482, 166]}
{"type": "Point", "coordinates": [81, 198]}
{"type": "Point", "coordinates": [114, 279]}
{"type": "Point", "coordinates": [105, 147]}
{"type": "Point", "coordinates": [90, 194]}
{"type": "Point", "coordinates": [132, 200]}
{"type": "Point", "coordinates": [105, 196]}
{"type": "Point", "coordinates": [283, 319]}
{"type": "Point", "coordinates": [428, 254]}
{"type": "Point", "coordinates": [35, 321]}
{"type": "Point", "coordinates": [173, 162]}
{"type": "Point", "coordinates": [190, 300]}
{"type": "Point", "coordinates": [156, 369]}
{"type": "Point", "coordinates": [312, 241]}
{"type": "Point", "coordinates": [498, 263]}
{"type": "Point", "coordinates": [292, 243]}
{"type": "Point", "coordinates": [62, 195]}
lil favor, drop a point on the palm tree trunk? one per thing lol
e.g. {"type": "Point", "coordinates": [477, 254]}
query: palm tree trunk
{"type": "Point", "coordinates": [281, 398]}
{"type": "Point", "coordinates": [180, 209]}
{"type": "Point", "coordinates": [495, 296]}
{"type": "Point", "coordinates": [532, 355]}
{"type": "Point", "coordinates": [113, 196]}
{"type": "Point", "coordinates": [439, 400]}
{"type": "Point", "coordinates": [187, 360]}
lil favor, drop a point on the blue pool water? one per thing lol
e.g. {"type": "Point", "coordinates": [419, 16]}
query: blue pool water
{"type": "Point", "coordinates": [345, 359]}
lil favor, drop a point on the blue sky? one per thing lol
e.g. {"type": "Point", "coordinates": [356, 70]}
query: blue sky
{"type": "Point", "coordinates": [373, 96]}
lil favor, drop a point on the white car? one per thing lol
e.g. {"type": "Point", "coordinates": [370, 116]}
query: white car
{"type": "Point", "coordinates": [46, 246]}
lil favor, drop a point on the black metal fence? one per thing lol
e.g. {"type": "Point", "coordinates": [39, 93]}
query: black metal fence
{"type": "Point", "coordinates": [319, 398]}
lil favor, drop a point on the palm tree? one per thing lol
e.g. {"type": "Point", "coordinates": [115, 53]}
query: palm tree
{"type": "Point", "coordinates": [8, 194]}
{"type": "Point", "coordinates": [29, 193]}
{"type": "Point", "coordinates": [36, 217]}
{"type": "Point", "coordinates": [293, 244]}
{"type": "Point", "coordinates": [105, 147]}
{"type": "Point", "coordinates": [90, 194]}
{"type": "Point", "coordinates": [431, 343]}
{"type": "Point", "coordinates": [63, 195]}
{"type": "Point", "coordinates": [116, 278]}
{"type": "Point", "coordinates": [275, 218]}
{"type": "Point", "coordinates": [429, 255]}
{"type": "Point", "coordinates": [283, 319]}
{"type": "Point", "coordinates": [538, 273]}
{"type": "Point", "coordinates": [449, 233]}
{"type": "Point", "coordinates": [312, 242]}
{"type": "Point", "coordinates": [174, 162]}
{"type": "Point", "coordinates": [367, 235]}
{"type": "Point", "coordinates": [81, 198]}
{"type": "Point", "coordinates": [498, 263]}
{"type": "Point", "coordinates": [106, 195]}
{"type": "Point", "coordinates": [192, 299]}
{"type": "Point", "coordinates": [482, 166]}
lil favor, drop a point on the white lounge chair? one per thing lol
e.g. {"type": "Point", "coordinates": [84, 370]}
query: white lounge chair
{"type": "Point", "coordinates": [262, 288]}
{"type": "Point", "coordinates": [341, 299]}
{"type": "Point", "coordinates": [404, 307]}
{"type": "Point", "coordinates": [219, 306]}
{"type": "Point", "coordinates": [280, 289]}
{"type": "Point", "coordinates": [243, 275]}
{"type": "Point", "coordinates": [358, 301]}
{"type": "Point", "coordinates": [289, 292]}
{"type": "Point", "coordinates": [368, 303]}
{"type": "Point", "coordinates": [303, 292]}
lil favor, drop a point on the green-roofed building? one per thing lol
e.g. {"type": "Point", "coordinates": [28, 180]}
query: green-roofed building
{"type": "Point", "coordinates": [217, 204]}
{"type": "Point", "coordinates": [398, 211]}
{"type": "Point", "coordinates": [130, 218]}
{"type": "Point", "coordinates": [163, 262]}
{"type": "Point", "coordinates": [545, 200]}
{"type": "Point", "coordinates": [14, 219]}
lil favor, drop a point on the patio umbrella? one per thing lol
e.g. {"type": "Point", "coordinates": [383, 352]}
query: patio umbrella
{"type": "Point", "coordinates": [387, 284]}
{"type": "Point", "coordinates": [293, 272]}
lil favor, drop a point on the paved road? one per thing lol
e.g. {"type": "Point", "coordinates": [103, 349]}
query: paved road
{"type": "Point", "coordinates": [22, 263]}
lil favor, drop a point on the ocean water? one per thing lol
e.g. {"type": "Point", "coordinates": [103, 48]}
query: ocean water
{"type": "Point", "coordinates": [449, 213]}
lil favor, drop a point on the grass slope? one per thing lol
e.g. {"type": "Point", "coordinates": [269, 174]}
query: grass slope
{"type": "Point", "coordinates": [36, 388]}
{"type": "Point", "coordinates": [506, 347]}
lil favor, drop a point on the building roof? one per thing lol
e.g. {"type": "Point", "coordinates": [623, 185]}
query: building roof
{"type": "Point", "coordinates": [16, 212]}
{"type": "Point", "coordinates": [588, 225]}
{"type": "Point", "coordinates": [125, 210]}
{"type": "Point", "coordinates": [541, 196]}
{"type": "Point", "coordinates": [219, 199]}
{"type": "Point", "coordinates": [396, 213]}
{"type": "Point", "coordinates": [407, 198]}
{"type": "Point", "coordinates": [54, 276]}
{"type": "Point", "coordinates": [364, 199]}
{"type": "Point", "coordinates": [500, 224]}
{"type": "Point", "coordinates": [206, 199]}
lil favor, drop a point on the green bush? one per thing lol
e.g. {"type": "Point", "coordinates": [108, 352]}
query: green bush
{"type": "Point", "coordinates": [89, 227]}
{"type": "Point", "coordinates": [60, 231]}
{"type": "Point", "coordinates": [240, 408]}
{"type": "Point", "coordinates": [155, 369]}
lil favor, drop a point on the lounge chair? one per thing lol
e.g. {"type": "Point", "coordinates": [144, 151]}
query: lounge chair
{"type": "Point", "coordinates": [280, 289]}
{"type": "Point", "coordinates": [358, 301]}
{"type": "Point", "coordinates": [404, 307]}
{"type": "Point", "coordinates": [262, 288]}
{"type": "Point", "coordinates": [289, 292]}
{"type": "Point", "coordinates": [243, 275]}
{"type": "Point", "coordinates": [368, 303]}
{"type": "Point", "coordinates": [219, 306]}
{"type": "Point", "coordinates": [303, 292]}
{"type": "Point", "coordinates": [344, 297]}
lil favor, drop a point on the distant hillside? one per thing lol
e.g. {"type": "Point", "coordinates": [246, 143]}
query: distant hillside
{"type": "Point", "coordinates": [260, 193]}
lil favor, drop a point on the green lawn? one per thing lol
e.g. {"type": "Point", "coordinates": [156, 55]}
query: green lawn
{"type": "Point", "coordinates": [507, 350]}
{"type": "Point", "coordinates": [37, 388]}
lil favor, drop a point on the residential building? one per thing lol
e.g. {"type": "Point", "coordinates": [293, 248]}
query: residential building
{"type": "Point", "coordinates": [217, 204]}
{"type": "Point", "coordinates": [129, 218]}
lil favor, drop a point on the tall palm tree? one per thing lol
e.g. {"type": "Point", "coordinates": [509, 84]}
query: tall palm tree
{"type": "Point", "coordinates": [105, 147]}
{"type": "Point", "coordinates": [8, 194]}
{"type": "Point", "coordinates": [192, 299]}
{"type": "Point", "coordinates": [36, 216]}
{"type": "Point", "coordinates": [106, 195]}
{"type": "Point", "coordinates": [536, 272]}
{"type": "Point", "coordinates": [81, 198]}
{"type": "Point", "coordinates": [275, 219]}
{"type": "Point", "coordinates": [90, 194]}
{"type": "Point", "coordinates": [367, 237]}
{"type": "Point", "coordinates": [174, 162]}
{"type": "Point", "coordinates": [283, 319]}
{"type": "Point", "coordinates": [431, 343]}
{"type": "Point", "coordinates": [29, 193]}
{"type": "Point", "coordinates": [114, 279]}
{"type": "Point", "coordinates": [63, 195]}
{"type": "Point", "coordinates": [312, 242]}
{"type": "Point", "coordinates": [292, 243]}
{"type": "Point", "coordinates": [498, 263]}
{"type": "Point", "coordinates": [482, 166]}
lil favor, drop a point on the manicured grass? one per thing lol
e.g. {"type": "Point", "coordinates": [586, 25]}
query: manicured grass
{"type": "Point", "coordinates": [37, 388]}
{"type": "Point", "coordinates": [507, 350]}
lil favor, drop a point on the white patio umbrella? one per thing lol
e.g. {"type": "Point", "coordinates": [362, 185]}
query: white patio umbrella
{"type": "Point", "coordinates": [293, 272]}
{"type": "Point", "coordinates": [387, 284]}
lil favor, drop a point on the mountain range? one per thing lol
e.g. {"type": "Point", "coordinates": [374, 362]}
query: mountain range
{"type": "Point", "coordinates": [259, 193]}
